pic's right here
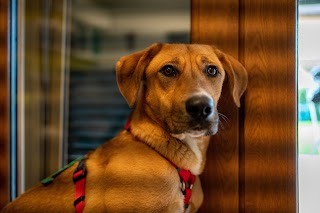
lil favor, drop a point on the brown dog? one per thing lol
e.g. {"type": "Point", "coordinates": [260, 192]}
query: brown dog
{"type": "Point", "coordinates": [174, 90]}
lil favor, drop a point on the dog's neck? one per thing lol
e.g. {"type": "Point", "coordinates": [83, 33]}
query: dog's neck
{"type": "Point", "coordinates": [188, 153]}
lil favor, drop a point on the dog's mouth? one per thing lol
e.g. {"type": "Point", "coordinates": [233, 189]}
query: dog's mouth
{"type": "Point", "coordinates": [198, 130]}
{"type": "Point", "coordinates": [192, 134]}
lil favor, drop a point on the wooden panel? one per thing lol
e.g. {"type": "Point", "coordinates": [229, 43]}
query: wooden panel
{"type": "Point", "coordinates": [217, 22]}
{"type": "Point", "coordinates": [263, 35]}
{"type": "Point", "coordinates": [4, 104]}
{"type": "Point", "coordinates": [268, 147]}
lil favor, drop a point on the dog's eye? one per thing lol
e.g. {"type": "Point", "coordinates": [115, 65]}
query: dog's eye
{"type": "Point", "coordinates": [212, 71]}
{"type": "Point", "coordinates": [168, 71]}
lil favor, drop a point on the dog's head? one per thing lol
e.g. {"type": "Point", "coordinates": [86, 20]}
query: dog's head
{"type": "Point", "coordinates": [179, 85]}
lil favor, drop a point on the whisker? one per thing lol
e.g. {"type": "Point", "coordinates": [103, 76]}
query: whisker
{"type": "Point", "coordinates": [223, 118]}
{"type": "Point", "coordinates": [222, 126]}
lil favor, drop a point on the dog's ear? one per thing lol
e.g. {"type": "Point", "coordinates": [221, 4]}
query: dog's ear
{"type": "Point", "coordinates": [236, 73]}
{"type": "Point", "coordinates": [130, 70]}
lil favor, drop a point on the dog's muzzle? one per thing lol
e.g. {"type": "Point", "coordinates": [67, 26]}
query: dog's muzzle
{"type": "Point", "coordinates": [203, 118]}
{"type": "Point", "coordinates": [199, 107]}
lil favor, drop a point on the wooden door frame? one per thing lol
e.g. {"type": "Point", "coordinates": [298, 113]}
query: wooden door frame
{"type": "Point", "coordinates": [251, 165]}
{"type": "Point", "coordinates": [4, 103]}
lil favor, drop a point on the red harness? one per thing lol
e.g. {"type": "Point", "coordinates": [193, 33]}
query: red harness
{"type": "Point", "coordinates": [187, 180]}
{"type": "Point", "coordinates": [79, 179]}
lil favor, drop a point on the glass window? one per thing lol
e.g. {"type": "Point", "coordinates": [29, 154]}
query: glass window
{"type": "Point", "coordinates": [41, 71]}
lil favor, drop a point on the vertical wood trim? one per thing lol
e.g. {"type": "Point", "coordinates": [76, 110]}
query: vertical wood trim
{"type": "Point", "coordinates": [268, 161]}
{"type": "Point", "coordinates": [217, 23]}
{"type": "Point", "coordinates": [4, 104]}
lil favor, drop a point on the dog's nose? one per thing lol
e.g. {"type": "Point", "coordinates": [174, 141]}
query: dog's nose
{"type": "Point", "coordinates": [199, 107]}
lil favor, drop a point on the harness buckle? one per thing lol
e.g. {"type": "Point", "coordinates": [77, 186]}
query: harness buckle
{"type": "Point", "coordinates": [80, 172]}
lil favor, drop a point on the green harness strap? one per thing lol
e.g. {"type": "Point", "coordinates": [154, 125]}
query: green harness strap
{"type": "Point", "coordinates": [49, 179]}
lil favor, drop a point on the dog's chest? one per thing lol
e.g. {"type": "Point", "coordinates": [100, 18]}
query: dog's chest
{"type": "Point", "coordinates": [132, 183]}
